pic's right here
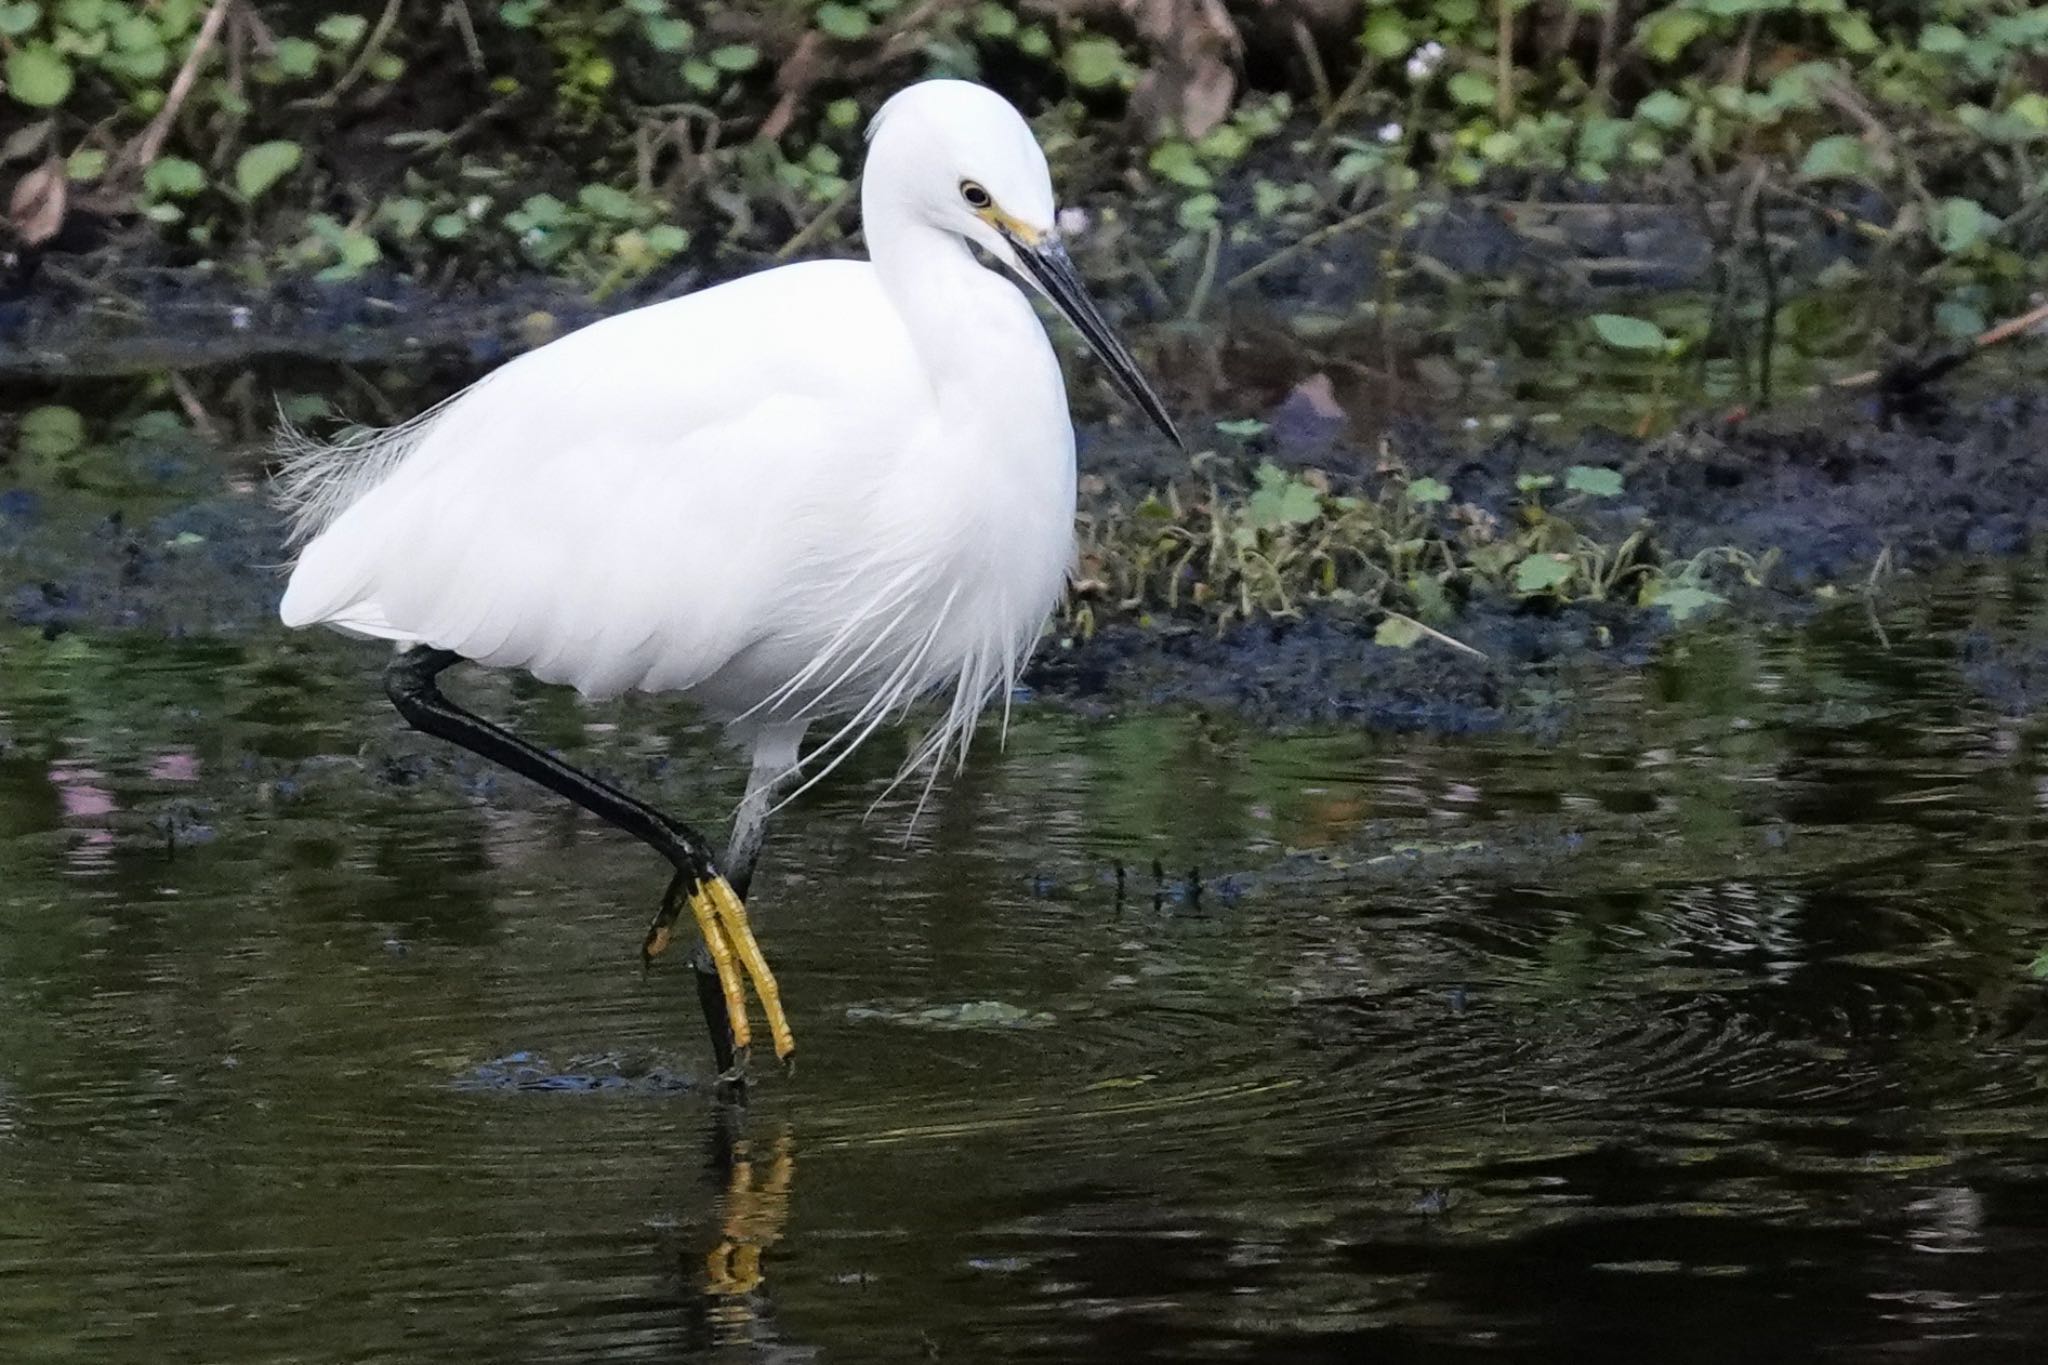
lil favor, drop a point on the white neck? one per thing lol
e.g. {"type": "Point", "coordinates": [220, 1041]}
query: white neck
{"type": "Point", "coordinates": [948, 300]}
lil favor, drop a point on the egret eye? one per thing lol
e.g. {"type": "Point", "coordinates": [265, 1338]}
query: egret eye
{"type": "Point", "coordinates": [977, 198]}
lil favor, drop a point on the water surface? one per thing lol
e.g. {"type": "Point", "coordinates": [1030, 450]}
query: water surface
{"type": "Point", "coordinates": [1702, 1030]}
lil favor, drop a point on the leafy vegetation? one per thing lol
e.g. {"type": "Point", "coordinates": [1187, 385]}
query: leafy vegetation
{"type": "Point", "coordinates": [601, 140]}
{"type": "Point", "coordinates": [1407, 550]}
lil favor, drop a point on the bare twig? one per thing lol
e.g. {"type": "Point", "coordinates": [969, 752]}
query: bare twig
{"type": "Point", "coordinates": [1285, 254]}
{"type": "Point", "coordinates": [371, 46]}
{"type": "Point", "coordinates": [140, 153]}
{"type": "Point", "coordinates": [1504, 62]}
{"type": "Point", "coordinates": [823, 219]}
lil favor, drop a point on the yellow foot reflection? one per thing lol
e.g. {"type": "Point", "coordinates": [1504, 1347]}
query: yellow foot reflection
{"type": "Point", "coordinates": [756, 1207]}
{"type": "Point", "coordinates": [722, 920]}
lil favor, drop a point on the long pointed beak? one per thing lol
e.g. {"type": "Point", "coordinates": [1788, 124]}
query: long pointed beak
{"type": "Point", "coordinates": [1044, 257]}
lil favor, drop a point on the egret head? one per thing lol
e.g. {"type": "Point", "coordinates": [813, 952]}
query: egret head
{"type": "Point", "coordinates": [959, 157]}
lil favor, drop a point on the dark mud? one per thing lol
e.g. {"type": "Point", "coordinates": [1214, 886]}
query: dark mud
{"type": "Point", "coordinates": [1845, 500]}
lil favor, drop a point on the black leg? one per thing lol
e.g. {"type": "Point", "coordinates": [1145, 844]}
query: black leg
{"type": "Point", "coordinates": [410, 683]}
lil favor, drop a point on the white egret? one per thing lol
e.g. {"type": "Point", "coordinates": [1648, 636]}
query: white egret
{"type": "Point", "coordinates": [813, 494]}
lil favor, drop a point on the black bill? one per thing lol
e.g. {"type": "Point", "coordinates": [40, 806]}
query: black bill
{"type": "Point", "coordinates": [1053, 271]}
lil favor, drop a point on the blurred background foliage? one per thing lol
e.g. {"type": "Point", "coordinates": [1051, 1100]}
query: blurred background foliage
{"type": "Point", "coordinates": [597, 142]}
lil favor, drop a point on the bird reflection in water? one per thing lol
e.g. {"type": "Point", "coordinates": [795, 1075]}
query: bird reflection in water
{"type": "Point", "coordinates": [750, 1215]}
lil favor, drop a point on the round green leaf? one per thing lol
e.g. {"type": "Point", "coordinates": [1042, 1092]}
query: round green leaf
{"type": "Point", "coordinates": [174, 177]}
{"type": "Point", "coordinates": [17, 19]}
{"type": "Point", "coordinates": [1092, 63]}
{"type": "Point", "coordinates": [1838, 157]}
{"type": "Point", "coordinates": [847, 22]}
{"type": "Point", "coordinates": [50, 433]}
{"type": "Point", "coordinates": [1541, 573]}
{"type": "Point", "coordinates": [1593, 481]}
{"type": "Point", "coordinates": [264, 165]}
{"type": "Point", "coordinates": [38, 77]}
{"type": "Point", "coordinates": [735, 57]}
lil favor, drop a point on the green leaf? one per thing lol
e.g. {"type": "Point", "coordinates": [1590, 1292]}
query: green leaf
{"type": "Point", "coordinates": [1625, 333]}
{"type": "Point", "coordinates": [448, 226]}
{"type": "Point", "coordinates": [1197, 211]}
{"type": "Point", "coordinates": [1840, 156]}
{"type": "Point", "coordinates": [38, 77]}
{"type": "Point", "coordinates": [843, 21]}
{"type": "Point", "coordinates": [1853, 32]}
{"type": "Point", "coordinates": [1664, 108]}
{"type": "Point", "coordinates": [173, 177]}
{"type": "Point", "coordinates": [343, 30]}
{"type": "Point", "coordinates": [87, 163]}
{"type": "Point", "coordinates": [1244, 428]}
{"type": "Point", "coordinates": [1426, 491]}
{"type": "Point", "coordinates": [2040, 967]}
{"type": "Point", "coordinates": [1397, 632]}
{"type": "Point", "coordinates": [50, 433]}
{"type": "Point", "coordinates": [1943, 40]}
{"type": "Point", "coordinates": [736, 57]}
{"type": "Point", "coordinates": [1593, 481]}
{"type": "Point", "coordinates": [263, 165]}
{"type": "Point", "coordinates": [608, 202]}
{"type": "Point", "coordinates": [1092, 63]}
{"type": "Point", "coordinates": [1670, 31]}
{"type": "Point", "coordinates": [995, 21]}
{"type": "Point", "coordinates": [666, 239]}
{"type": "Point", "coordinates": [668, 34]}
{"type": "Point", "coordinates": [1534, 483]}
{"type": "Point", "coordinates": [1386, 34]}
{"type": "Point", "coordinates": [1683, 600]}
{"type": "Point", "coordinates": [1471, 89]}
{"type": "Point", "coordinates": [843, 113]}
{"type": "Point", "coordinates": [1281, 499]}
{"type": "Point", "coordinates": [1960, 224]}
{"type": "Point", "coordinates": [18, 19]}
{"type": "Point", "coordinates": [1176, 161]}
{"type": "Point", "coordinates": [297, 57]}
{"type": "Point", "coordinates": [1542, 573]}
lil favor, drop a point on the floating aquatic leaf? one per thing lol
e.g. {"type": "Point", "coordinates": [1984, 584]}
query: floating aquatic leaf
{"type": "Point", "coordinates": [1684, 600]}
{"type": "Point", "coordinates": [1244, 428]}
{"type": "Point", "coordinates": [1625, 333]}
{"type": "Point", "coordinates": [50, 433]}
{"type": "Point", "coordinates": [1427, 490]}
{"type": "Point", "coordinates": [1593, 481]}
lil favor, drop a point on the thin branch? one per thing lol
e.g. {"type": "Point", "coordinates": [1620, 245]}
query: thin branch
{"type": "Point", "coordinates": [142, 152]}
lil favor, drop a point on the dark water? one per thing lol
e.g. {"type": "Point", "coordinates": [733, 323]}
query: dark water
{"type": "Point", "coordinates": [1706, 1030]}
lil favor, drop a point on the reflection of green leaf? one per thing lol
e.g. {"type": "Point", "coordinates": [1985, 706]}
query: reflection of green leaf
{"type": "Point", "coordinates": [1428, 491]}
{"type": "Point", "coordinates": [1593, 481]}
{"type": "Point", "coordinates": [1625, 333]}
{"type": "Point", "coordinates": [50, 433]}
{"type": "Point", "coordinates": [1541, 573]}
{"type": "Point", "coordinates": [1397, 632]}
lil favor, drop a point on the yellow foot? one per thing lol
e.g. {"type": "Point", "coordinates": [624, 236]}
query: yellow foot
{"type": "Point", "coordinates": [722, 920]}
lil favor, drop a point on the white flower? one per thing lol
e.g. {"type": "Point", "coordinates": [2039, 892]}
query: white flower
{"type": "Point", "coordinates": [1389, 132]}
{"type": "Point", "coordinates": [1423, 60]}
{"type": "Point", "coordinates": [1073, 222]}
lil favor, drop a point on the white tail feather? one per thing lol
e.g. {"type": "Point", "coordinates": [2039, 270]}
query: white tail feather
{"type": "Point", "coordinates": [318, 480]}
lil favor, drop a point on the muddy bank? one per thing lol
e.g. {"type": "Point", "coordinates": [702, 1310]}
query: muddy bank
{"type": "Point", "coordinates": [182, 543]}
